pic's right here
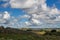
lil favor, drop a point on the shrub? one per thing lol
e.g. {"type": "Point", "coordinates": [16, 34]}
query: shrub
{"type": "Point", "coordinates": [53, 30]}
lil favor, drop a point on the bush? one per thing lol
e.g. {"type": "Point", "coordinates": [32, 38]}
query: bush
{"type": "Point", "coordinates": [53, 30]}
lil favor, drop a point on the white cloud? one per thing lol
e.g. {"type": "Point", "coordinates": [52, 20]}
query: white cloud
{"type": "Point", "coordinates": [6, 15]}
{"type": "Point", "coordinates": [36, 22]}
{"type": "Point", "coordinates": [22, 3]}
{"type": "Point", "coordinates": [28, 23]}
{"type": "Point", "coordinates": [25, 16]}
{"type": "Point", "coordinates": [38, 12]}
{"type": "Point", "coordinates": [55, 11]}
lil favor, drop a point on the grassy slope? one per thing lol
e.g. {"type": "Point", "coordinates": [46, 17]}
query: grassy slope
{"type": "Point", "coordinates": [21, 36]}
{"type": "Point", "coordinates": [27, 36]}
{"type": "Point", "coordinates": [16, 34]}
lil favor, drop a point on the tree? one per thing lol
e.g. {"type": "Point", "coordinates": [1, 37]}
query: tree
{"type": "Point", "coordinates": [53, 30]}
{"type": "Point", "coordinates": [1, 29]}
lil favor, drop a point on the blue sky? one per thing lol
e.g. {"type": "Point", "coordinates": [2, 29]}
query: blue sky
{"type": "Point", "coordinates": [14, 12]}
{"type": "Point", "coordinates": [17, 10]}
{"type": "Point", "coordinates": [50, 3]}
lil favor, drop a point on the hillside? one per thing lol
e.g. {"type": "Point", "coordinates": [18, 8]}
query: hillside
{"type": "Point", "coordinates": [17, 34]}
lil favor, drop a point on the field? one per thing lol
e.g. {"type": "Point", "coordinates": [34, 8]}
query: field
{"type": "Point", "coordinates": [16, 34]}
{"type": "Point", "coordinates": [28, 36]}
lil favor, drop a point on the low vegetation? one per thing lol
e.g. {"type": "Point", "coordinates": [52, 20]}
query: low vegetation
{"type": "Point", "coordinates": [17, 34]}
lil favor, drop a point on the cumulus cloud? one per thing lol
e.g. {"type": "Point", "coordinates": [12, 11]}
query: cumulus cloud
{"type": "Point", "coordinates": [38, 12]}
{"type": "Point", "coordinates": [7, 20]}
{"type": "Point", "coordinates": [28, 23]}
{"type": "Point", "coordinates": [4, 17]}
{"type": "Point", "coordinates": [22, 3]}
{"type": "Point", "coordinates": [10, 21]}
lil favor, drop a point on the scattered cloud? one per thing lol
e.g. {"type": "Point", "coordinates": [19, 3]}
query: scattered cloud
{"type": "Point", "coordinates": [38, 13]}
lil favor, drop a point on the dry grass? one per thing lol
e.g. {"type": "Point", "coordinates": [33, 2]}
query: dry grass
{"type": "Point", "coordinates": [40, 33]}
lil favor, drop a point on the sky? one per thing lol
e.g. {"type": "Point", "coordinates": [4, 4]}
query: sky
{"type": "Point", "coordinates": [30, 13]}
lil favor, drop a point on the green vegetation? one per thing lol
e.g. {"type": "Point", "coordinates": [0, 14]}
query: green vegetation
{"type": "Point", "coordinates": [16, 34]}
{"type": "Point", "coordinates": [26, 36]}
